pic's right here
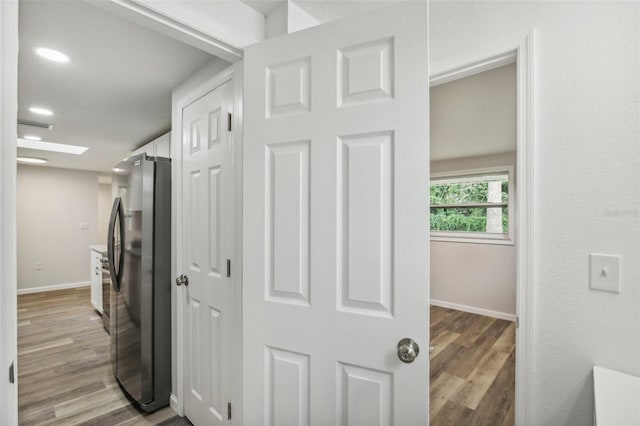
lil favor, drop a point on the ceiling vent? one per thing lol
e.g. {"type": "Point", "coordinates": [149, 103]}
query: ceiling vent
{"type": "Point", "coordinates": [35, 124]}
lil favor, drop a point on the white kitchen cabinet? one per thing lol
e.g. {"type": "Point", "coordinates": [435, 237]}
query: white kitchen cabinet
{"type": "Point", "coordinates": [162, 145]}
{"type": "Point", "coordinates": [159, 147]}
{"type": "Point", "coordinates": [96, 277]}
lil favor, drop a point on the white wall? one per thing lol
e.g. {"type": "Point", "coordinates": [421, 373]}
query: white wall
{"type": "Point", "coordinates": [474, 116]}
{"type": "Point", "coordinates": [51, 203]}
{"type": "Point", "coordinates": [481, 276]}
{"type": "Point", "coordinates": [587, 182]}
{"type": "Point", "coordinates": [105, 201]}
{"type": "Point", "coordinates": [276, 21]}
{"type": "Point", "coordinates": [288, 17]}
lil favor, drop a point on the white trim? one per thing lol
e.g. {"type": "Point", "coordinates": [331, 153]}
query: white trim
{"type": "Point", "coordinates": [173, 403]}
{"type": "Point", "coordinates": [494, 170]}
{"type": "Point", "coordinates": [470, 238]}
{"type": "Point", "coordinates": [8, 124]}
{"type": "Point", "coordinates": [525, 231]}
{"type": "Point", "coordinates": [54, 287]}
{"type": "Point", "coordinates": [229, 74]}
{"type": "Point", "coordinates": [237, 162]}
{"type": "Point", "coordinates": [499, 53]}
{"type": "Point", "coordinates": [520, 47]}
{"type": "Point", "coordinates": [173, 24]}
{"type": "Point", "coordinates": [232, 21]}
{"type": "Point", "coordinates": [474, 310]}
{"type": "Point", "coordinates": [469, 70]}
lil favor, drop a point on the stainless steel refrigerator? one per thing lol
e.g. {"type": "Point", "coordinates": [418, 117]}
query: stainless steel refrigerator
{"type": "Point", "coordinates": [139, 250]}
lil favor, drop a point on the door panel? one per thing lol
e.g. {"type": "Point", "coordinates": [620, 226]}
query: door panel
{"type": "Point", "coordinates": [288, 223]}
{"type": "Point", "coordinates": [335, 222]}
{"type": "Point", "coordinates": [207, 191]}
{"type": "Point", "coordinates": [287, 388]}
{"type": "Point", "coordinates": [365, 205]}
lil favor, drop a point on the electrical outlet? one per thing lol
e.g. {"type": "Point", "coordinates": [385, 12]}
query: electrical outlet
{"type": "Point", "coordinates": [604, 272]}
{"type": "Point", "coordinates": [38, 266]}
{"type": "Point", "coordinates": [84, 226]}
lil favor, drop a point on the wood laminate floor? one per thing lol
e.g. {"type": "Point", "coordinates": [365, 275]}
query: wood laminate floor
{"type": "Point", "coordinates": [472, 369]}
{"type": "Point", "coordinates": [64, 372]}
{"type": "Point", "coordinates": [65, 376]}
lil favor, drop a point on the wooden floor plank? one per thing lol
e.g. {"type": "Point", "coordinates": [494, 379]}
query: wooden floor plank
{"type": "Point", "coordinates": [472, 369]}
{"type": "Point", "coordinates": [441, 341]}
{"type": "Point", "coordinates": [65, 375]}
{"type": "Point", "coordinates": [442, 390]}
{"type": "Point", "coordinates": [498, 400]}
{"type": "Point", "coordinates": [506, 342]}
{"type": "Point", "coordinates": [58, 370]}
{"type": "Point", "coordinates": [480, 379]}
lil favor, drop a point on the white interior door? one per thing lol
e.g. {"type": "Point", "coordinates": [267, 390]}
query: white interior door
{"type": "Point", "coordinates": [207, 244]}
{"type": "Point", "coordinates": [335, 222]}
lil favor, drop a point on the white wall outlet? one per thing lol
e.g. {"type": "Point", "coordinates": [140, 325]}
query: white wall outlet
{"type": "Point", "coordinates": [84, 226]}
{"type": "Point", "coordinates": [38, 266]}
{"type": "Point", "coordinates": [604, 272]}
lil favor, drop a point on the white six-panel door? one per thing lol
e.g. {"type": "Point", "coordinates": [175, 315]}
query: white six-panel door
{"type": "Point", "coordinates": [207, 244]}
{"type": "Point", "coordinates": [335, 223]}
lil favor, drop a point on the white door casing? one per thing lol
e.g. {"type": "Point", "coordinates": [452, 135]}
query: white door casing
{"type": "Point", "coordinates": [8, 250]}
{"type": "Point", "coordinates": [207, 212]}
{"type": "Point", "coordinates": [336, 172]}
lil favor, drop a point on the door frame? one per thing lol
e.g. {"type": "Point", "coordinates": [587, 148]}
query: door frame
{"type": "Point", "coordinates": [234, 75]}
{"type": "Point", "coordinates": [518, 49]}
{"type": "Point", "coordinates": [179, 25]}
{"type": "Point", "coordinates": [8, 131]}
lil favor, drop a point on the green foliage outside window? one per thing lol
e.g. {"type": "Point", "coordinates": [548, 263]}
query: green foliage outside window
{"type": "Point", "coordinates": [463, 219]}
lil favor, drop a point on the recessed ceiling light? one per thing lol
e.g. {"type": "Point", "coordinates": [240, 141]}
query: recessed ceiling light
{"type": "Point", "coordinates": [31, 160]}
{"type": "Point", "coordinates": [33, 137]}
{"type": "Point", "coordinates": [49, 146]}
{"type": "Point", "coordinates": [52, 55]}
{"type": "Point", "coordinates": [41, 111]}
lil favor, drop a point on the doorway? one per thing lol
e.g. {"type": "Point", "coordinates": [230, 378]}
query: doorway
{"type": "Point", "coordinates": [473, 262]}
{"type": "Point", "coordinates": [517, 51]}
{"type": "Point", "coordinates": [101, 94]}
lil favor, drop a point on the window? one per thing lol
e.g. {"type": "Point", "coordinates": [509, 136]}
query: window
{"type": "Point", "coordinates": [471, 206]}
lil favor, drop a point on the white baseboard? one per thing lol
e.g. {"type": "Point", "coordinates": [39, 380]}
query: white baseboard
{"type": "Point", "coordinates": [473, 310]}
{"type": "Point", "coordinates": [53, 287]}
{"type": "Point", "coordinates": [173, 403]}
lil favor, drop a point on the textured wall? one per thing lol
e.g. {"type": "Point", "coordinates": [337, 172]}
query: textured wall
{"type": "Point", "coordinates": [587, 182]}
{"type": "Point", "coordinates": [51, 204]}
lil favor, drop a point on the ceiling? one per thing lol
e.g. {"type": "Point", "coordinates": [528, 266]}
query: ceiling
{"type": "Point", "coordinates": [115, 93]}
{"type": "Point", "coordinates": [331, 10]}
{"type": "Point", "coordinates": [322, 10]}
{"type": "Point", "coordinates": [263, 6]}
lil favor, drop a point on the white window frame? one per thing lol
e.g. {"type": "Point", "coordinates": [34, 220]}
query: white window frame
{"type": "Point", "coordinates": [477, 237]}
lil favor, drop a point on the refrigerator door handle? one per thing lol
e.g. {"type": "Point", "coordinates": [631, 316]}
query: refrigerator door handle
{"type": "Point", "coordinates": [117, 212]}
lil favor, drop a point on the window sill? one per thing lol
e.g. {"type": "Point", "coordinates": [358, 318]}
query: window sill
{"type": "Point", "coordinates": [472, 239]}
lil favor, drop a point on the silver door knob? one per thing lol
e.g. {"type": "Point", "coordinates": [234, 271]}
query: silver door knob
{"type": "Point", "coordinates": [408, 350]}
{"type": "Point", "coordinates": [182, 279]}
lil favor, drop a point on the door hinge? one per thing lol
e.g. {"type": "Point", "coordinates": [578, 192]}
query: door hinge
{"type": "Point", "coordinates": [228, 411]}
{"type": "Point", "coordinates": [12, 377]}
{"type": "Point", "coordinates": [228, 268]}
{"type": "Point", "coordinates": [517, 321]}
{"type": "Point", "coordinates": [229, 122]}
